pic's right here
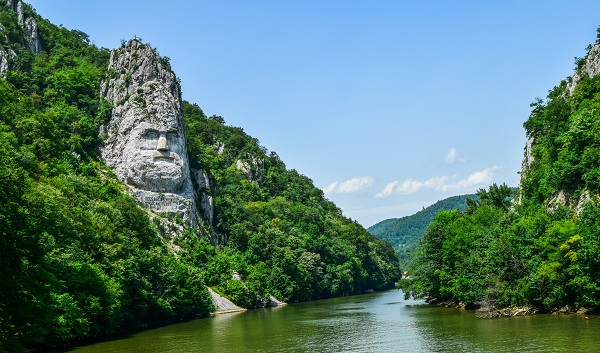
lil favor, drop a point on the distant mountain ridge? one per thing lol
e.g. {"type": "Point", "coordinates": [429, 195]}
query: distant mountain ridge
{"type": "Point", "coordinates": [404, 233]}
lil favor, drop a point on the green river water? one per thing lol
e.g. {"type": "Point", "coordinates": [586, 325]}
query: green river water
{"type": "Point", "coordinates": [379, 322]}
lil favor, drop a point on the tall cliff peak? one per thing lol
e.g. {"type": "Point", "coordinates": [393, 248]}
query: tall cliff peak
{"type": "Point", "coordinates": [145, 137]}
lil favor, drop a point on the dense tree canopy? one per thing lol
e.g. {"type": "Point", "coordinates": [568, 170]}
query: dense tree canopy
{"type": "Point", "coordinates": [540, 248]}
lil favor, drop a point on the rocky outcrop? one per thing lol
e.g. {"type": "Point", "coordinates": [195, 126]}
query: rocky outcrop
{"type": "Point", "coordinates": [223, 305]}
{"type": "Point", "coordinates": [590, 69]}
{"type": "Point", "coordinates": [562, 198]}
{"type": "Point", "coordinates": [270, 302]}
{"type": "Point", "coordinates": [29, 26]}
{"type": "Point", "coordinates": [251, 168]}
{"type": "Point", "coordinates": [527, 161]}
{"type": "Point", "coordinates": [144, 141]}
{"type": "Point", "coordinates": [31, 38]}
{"type": "Point", "coordinates": [205, 191]}
{"type": "Point", "coordinates": [528, 155]}
{"type": "Point", "coordinates": [6, 56]}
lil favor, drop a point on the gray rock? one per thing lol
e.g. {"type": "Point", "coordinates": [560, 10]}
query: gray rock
{"type": "Point", "coordinates": [223, 305]}
{"type": "Point", "coordinates": [251, 168]}
{"type": "Point", "coordinates": [30, 38]}
{"type": "Point", "coordinates": [584, 198]}
{"type": "Point", "coordinates": [528, 155]}
{"type": "Point", "coordinates": [591, 68]}
{"type": "Point", "coordinates": [6, 55]}
{"type": "Point", "coordinates": [205, 192]}
{"type": "Point", "coordinates": [526, 163]}
{"type": "Point", "coordinates": [29, 25]}
{"type": "Point", "coordinates": [270, 302]}
{"type": "Point", "coordinates": [145, 137]}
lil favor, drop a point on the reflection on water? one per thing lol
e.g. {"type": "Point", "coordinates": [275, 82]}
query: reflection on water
{"type": "Point", "coordinates": [450, 330]}
{"type": "Point", "coordinates": [379, 322]}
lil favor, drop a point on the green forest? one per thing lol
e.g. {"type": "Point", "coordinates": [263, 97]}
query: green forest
{"type": "Point", "coordinates": [80, 259]}
{"type": "Point", "coordinates": [538, 246]}
{"type": "Point", "coordinates": [404, 233]}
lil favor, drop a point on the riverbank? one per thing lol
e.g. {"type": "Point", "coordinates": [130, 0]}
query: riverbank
{"type": "Point", "coordinates": [487, 310]}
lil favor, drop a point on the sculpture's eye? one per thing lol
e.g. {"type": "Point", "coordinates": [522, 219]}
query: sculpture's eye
{"type": "Point", "coordinates": [173, 139]}
{"type": "Point", "coordinates": [172, 135]}
{"type": "Point", "coordinates": [149, 140]}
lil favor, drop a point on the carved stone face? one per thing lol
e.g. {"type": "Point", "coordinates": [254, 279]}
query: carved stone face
{"type": "Point", "coordinates": [144, 140]}
{"type": "Point", "coordinates": [155, 156]}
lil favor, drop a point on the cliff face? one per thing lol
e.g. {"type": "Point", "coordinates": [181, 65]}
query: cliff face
{"type": "Point", "coordinates": [575, 193]}
{"type": "Point", "coordinates": [145, 138]}
{"type": "Point", "coordinates": [29, 37]}
{"type": "Point", "coordinates": [590, 69]}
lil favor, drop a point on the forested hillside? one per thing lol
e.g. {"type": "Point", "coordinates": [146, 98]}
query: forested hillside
{"type": "Point", "coordinates": [80, 258]}
{"type": "Point", "coordinates": [542, 248]}
{"type": "Point", "coordinates": [404, 233]}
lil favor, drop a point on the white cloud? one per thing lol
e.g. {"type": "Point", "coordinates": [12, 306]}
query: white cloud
{"type": "Point", "coordinates": [452, 157]}
{"type": "Point", "coordinates": [330, 188]}
{"type": "Point", "coordinates": [348, 186]}
{"type": "Point", "coordinates": [478, 179]}
{"type": "Point", "coordinates": [410, 186]}
{"type": "Point", "coordinates": [387, 190]}
{"type": "Point", "coordinates": [482, 178]}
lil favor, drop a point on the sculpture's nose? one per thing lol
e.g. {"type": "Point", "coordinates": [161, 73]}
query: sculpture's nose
{"type": "Point", "coordinates": [162, 144]}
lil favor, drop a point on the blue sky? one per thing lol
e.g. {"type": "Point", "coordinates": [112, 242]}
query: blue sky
{"type": "Point", "coordinates": [388, 106]}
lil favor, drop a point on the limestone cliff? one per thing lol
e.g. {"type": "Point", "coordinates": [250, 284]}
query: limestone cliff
{"type": "Point", "coordinates": [589, 68]}
{"type": "Point", "coordinates": [29, 36]}
{"type": "Point", "coordinates": [145, 137]}
{"type": "Point", "coordinates": [6, 54]}
{"type": "Point", "coordinates": [206, 190]}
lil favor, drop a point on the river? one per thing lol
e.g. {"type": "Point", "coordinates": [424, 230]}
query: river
{"type": "Point", "coordinates": [378, 322]}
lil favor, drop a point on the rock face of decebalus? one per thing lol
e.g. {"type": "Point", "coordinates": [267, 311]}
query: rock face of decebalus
{"type": "Point", "coordinates": [144, 138]}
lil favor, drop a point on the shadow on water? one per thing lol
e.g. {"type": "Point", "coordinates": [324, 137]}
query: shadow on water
{"type": "Point", "coordinates": [378, 322]}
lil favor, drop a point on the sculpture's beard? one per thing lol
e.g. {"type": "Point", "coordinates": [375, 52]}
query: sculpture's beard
{"type": "Point", "coordinates": [154, 172]}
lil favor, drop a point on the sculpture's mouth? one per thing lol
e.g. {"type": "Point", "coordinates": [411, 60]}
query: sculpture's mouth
{"type": "Point", "coordinates": [163, 155]}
